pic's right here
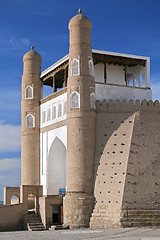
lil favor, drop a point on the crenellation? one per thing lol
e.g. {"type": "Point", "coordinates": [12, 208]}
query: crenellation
{"type": "Point", "coordinates": [137, 103]}
{"type": "Point", "coordinates": [123, 106]}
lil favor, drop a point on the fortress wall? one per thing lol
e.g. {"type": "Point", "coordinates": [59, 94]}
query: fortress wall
{"type": "Point", "coordinates": [12, 217]}
{"type": "Point", "coordinates": [113, 137]}
{"type": "Point", "coordinates": [142, 184]}
{"type": "Point", "coordinates": [127, 159]}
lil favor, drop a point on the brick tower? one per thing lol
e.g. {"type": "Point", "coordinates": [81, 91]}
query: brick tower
{"type": "Point", "coordinates": [30, 119]}
{"type": "Point", "coordinates": [79, 199]}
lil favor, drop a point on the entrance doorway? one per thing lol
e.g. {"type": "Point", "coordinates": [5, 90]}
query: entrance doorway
{"type": "Point", "coordinates": [31, 203]}
{"type": "Point", "coordinates": [57, 215]}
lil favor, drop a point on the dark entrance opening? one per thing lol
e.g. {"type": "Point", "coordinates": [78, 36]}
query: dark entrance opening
{"type": "Point", "coordinates": [57, 212]}
{"type": "Point", "coordinates": [55, 218]}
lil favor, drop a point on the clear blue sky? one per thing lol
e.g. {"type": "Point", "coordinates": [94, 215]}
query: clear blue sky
{"type": "Point", "coordinates": [124, 26]}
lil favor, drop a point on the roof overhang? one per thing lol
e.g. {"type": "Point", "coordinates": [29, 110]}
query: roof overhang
{"type": "Point", "coordinates": [98, 56]}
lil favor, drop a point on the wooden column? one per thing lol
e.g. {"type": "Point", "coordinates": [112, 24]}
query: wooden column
{"type": "Point", "coordinates": [54, 88]}
{"type": "Point", "coordinates": [105, 74]}
{"type": "Point", "coordinates": [65, 77]}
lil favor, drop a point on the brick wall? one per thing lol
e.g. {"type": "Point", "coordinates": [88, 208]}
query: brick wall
{"type": "Point", "coordinates": [127, 159]}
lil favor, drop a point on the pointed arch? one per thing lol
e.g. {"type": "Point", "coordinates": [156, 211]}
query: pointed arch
{"type": "Point", "coordinates": [48, 114]}
{"type": "Point", "coordinates": [54, 112]}
{"type": "Point", "coordinates": [91, 67]}
{"type": "Point", "coordinates": [93, 100]}
{"type": "Point", "coordinates": [75, 67]}
{"type": "Point", "coordinates": [29, 92]}
{"type": "Point", "coordinates": [56, 165]}
{"type": "Point", "coordinates": [75, 100]}
{"type": "Point", "coordinates": [43, 116]}
{"type": "Point", "coordinates": [64, 106]}
{"type": "Point", "coordinates": [31, 202]}
{"type": "Point", "coordinates": [15, 199]}
{"type": "Point", "coordinates": [30, 121]}
{"type": "Point", "coordinates": [59, 109]}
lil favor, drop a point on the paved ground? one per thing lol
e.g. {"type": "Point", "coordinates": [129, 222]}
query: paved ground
{"type": "Point", "coordinates": [86, 234]}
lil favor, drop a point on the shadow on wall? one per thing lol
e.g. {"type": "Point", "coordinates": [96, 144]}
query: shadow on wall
{"type": "Point", "coordinates": [111, 135]}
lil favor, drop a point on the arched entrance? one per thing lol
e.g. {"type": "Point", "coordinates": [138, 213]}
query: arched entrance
{"type": "Point", "coordinates": [31, 203]}
{"type": "Point", "coordinates": [56, 167]}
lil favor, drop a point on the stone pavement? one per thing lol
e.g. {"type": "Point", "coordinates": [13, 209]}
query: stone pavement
{"type": "Point", "coordinates": [86, 234]}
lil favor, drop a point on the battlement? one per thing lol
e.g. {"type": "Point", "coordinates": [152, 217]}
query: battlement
{"type": "Point", "coordinates": [124, 106]}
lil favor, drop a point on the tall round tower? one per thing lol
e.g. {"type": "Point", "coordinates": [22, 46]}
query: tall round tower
{"type": "Point", "coordinates": [79, 200]}
{"type": "Point", "coordinates": [30, 119]}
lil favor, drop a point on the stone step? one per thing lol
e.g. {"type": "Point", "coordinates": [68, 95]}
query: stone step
{"type": "Point", "coordinates": [150, 217]}
{"type": "Point", "coordinates": [34, 220]}
{"type": "Point", "coordinates": [140, 224]}
{"type": "Point", "coordinates": [141, 212]}
{"type": "Point", "coordinates": [59, 227]}
{"type": "Point", "coordinates": [38, 229]}
{"type": "Point", "coordinates": [140, 220]}
{"type": "Point", "coordinates": [31, 211]}
{"type": "Point", "coordinates": [32, 215]}
{"type": "Point", "coordinates": [32, 228]}
{"type": "Point", "coordinates": [34, 223]}
{"type": "Point", "coordinates": [36, 226]}
{"type": "Point", "coordinates": [140, 217]}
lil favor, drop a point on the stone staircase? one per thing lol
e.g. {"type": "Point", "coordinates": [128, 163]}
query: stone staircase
{"type": "Point", "coordinates": [34, 222]}
{"type": "Point", "coordinates": [140, 217]}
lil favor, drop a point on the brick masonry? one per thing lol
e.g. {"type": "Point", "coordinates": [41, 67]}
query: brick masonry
{"type": "Point", "coordinates": [127, 160]}
{"type": "Point", "coordinates": [77, 209]}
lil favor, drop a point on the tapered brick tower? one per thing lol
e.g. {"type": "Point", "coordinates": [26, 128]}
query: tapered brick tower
{"type": "Point", "coordinates": [79, 200]}
{"type": "Point", "coordinates": [30, 119]}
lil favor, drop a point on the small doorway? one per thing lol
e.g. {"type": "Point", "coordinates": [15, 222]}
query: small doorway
{"type": "Point", "coordinates": [31, 203]}
{"type": "Point", "coordinates": [57, 215]}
